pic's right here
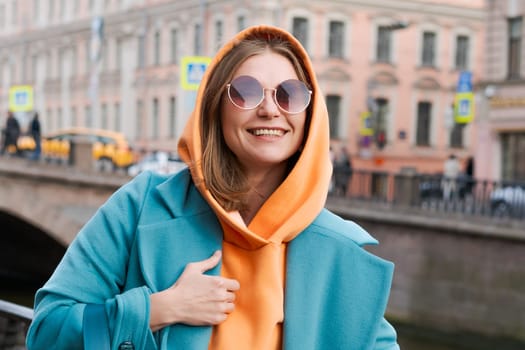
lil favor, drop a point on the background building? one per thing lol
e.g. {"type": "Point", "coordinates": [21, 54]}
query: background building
{"type": "Point", "coordinates": [116, 64]}
{"type": "Point", "coordinates": [502, 100]}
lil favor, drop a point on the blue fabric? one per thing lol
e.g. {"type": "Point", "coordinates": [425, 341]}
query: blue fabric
{"type": "Point", "coordinates": [140, 241]}
{"type": "Point", "coordinates": [96, 331]}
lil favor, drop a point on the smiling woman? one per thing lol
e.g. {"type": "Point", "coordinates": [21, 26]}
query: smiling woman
{"type": "Point", "coordinates": [214, 245]}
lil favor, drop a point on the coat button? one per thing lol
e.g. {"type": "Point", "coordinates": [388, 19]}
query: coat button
{"type": "Point", "coordinates": [126, 345]}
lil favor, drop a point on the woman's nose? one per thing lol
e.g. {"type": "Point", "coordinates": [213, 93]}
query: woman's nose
{"type": "Point", "coordinates": [269, 107]}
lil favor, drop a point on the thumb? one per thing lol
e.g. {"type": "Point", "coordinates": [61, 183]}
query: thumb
{"type": "Point", "coordinates": [210, 263]}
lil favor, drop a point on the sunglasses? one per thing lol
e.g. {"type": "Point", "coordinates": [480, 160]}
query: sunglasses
{"type": "Point", "coordinates": [291, 96]}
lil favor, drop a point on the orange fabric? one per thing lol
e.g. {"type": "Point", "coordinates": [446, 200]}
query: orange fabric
{"type": "Point", "coordinates": [255, 255]}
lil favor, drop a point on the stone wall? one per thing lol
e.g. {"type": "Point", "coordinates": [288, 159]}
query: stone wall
{"type": "Point", "coordinates": [451, 274]}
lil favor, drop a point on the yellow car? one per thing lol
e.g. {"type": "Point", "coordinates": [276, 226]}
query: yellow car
{"type": "Point", "coordinates": [111, 150]}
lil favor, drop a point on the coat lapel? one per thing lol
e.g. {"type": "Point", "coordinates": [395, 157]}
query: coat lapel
{"type": "Point", "coordinates": [176, 227]}
{"type": "Point", "coordinates": [336, 292]}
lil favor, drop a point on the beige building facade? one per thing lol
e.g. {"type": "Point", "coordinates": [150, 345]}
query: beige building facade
{"type": "Point", "coordinates": [389, 65]}
{"type": "Point", "coordinates": [501, 126]}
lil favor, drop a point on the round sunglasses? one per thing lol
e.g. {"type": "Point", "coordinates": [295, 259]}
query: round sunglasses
{"type": "Point", "coordinates": [291, 96]}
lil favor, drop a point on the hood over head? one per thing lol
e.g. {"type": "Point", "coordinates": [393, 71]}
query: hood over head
{"type": "Point", "coordinates": [302, 195]}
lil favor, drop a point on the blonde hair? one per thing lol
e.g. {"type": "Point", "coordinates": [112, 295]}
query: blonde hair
{"type": "Point", "coordinates": [228, 184]}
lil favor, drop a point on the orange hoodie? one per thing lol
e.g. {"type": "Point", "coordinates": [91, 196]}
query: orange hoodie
{"type": "Point", "coordinates": [255, 254]}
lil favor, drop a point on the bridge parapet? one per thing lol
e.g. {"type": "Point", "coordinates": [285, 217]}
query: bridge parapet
{"type": "Point", "coordinates": [58, 199]}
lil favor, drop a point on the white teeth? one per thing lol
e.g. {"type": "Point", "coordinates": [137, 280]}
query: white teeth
{"type": "Point", "coordinates": [269, 132]}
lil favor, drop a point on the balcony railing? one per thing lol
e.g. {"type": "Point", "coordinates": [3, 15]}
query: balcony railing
{"type": "Point", "coordinates": [436, 194]}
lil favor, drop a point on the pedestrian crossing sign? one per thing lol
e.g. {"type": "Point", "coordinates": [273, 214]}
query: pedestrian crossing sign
{"type": "Point", "coordinates": [365, 128]}
{"type": "Point", "coordinates": [464, 99]}
{"type": "Point", "coordinates": [21, 98]}
{"type": "Point", "coordinates": [192, 71]}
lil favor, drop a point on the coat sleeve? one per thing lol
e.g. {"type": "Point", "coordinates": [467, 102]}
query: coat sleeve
{"type": "Point", "coordinates": [386, 337]}
{"type": "Point", "coordinates": [93, 270]}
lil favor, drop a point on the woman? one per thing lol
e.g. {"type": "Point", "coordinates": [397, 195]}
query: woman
{"type": "Point", "coordinates": [235, 252]}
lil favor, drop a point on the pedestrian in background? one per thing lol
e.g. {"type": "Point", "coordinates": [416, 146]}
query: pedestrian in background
{"type": "Point", "coordinates": [451, 170]}
{"type": "Point", "coordinates": [342, 172]}
{"type": "Point", "coordinates": [12, 133]}
{"type": "Point", "coordinates": [36, 134]}
{"type": "Point", "coordinates": [236, 251]}
{"type": "Point", "coordinates": [469, 175]}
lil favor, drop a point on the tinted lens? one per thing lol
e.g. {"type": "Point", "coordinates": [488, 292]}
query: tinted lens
{"type": "Point", "coordinates": [292, 96]}
{"type": "Point", "coordinates": [245, 92]}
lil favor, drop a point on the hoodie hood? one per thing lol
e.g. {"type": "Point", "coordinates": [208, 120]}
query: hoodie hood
{"type": "Point", "coordinates": [301, 196]}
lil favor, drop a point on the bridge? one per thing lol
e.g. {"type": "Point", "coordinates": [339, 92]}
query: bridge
{"type": "Point", "coordinates": [457, 274]}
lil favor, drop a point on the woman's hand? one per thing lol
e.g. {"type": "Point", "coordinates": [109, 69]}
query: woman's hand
{"type": "Point", "coordinates": [195, 299]}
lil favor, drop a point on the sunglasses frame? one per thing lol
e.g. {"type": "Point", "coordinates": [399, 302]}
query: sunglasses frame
{"type": "Point", "coordinates": [274, 96]}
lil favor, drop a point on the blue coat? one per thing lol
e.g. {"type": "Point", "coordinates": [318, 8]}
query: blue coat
{"type": "Point", "coordinates": [141, 239]}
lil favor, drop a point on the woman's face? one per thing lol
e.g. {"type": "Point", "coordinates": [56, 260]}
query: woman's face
{"type": "Point", "coordinates": [266, 136]}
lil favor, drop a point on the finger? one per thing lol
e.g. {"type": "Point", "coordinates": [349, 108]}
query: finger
{"type": "Point", "coordinates": [208, 264]}
{"type": "Point", "coordinates": [228, 307]}
{"type": "Point", "coordinates": [231, 284]}
{"type": "Point", "coordinates": [230, 297]}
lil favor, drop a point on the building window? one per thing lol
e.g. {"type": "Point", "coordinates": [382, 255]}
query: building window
{"type": "Point", "coordinates": [336, 39]}
{"type": "Point", "coordinates": [14, 8]}
{"type": "Point", "coordinates": [74, 117]}
{"type": "Point", "coordinates": [88, 117]}
{"type": "Point", "coordinates": [60, 121]}
{"type": "Point", "coordinates": [2, 16]}
{"type": "Point", "coordinates": [62, 9]}
{"type": "Point", "coordinates": [381, 121]}
{"type": "Point", "coordinates": [197, 42]}
{"type": "Point", "coordinates": [424, 110]}
{"type": "Point", "coordinates": [118, 55]}
{"type": "Point", "coordinates": [155, 119]}
{"type": "Point", "coordinates": [384, 43]}
{"type": "Point", "coordinates": [88, 55]}
{"type": "Point", "coordinates": [74, 61]}
{"type": "Point", "coordinates": [428, 55]}
{"type": "Point", "coordinates": [117, 124]}
{"type": "Point", "coordinates": [173, 120]}
{"type": "Point", "coordinates": [218, 35]}
{"type": "Point", "coordinates": [49, 120]}
{"type": "Point", "coordinates": [333, 104]}
{"type": "Point", "coordinates": [512, 155]}
{"type": "Point", "coordinates": [156, 52]}
{"type": "Point", "coordinates": [105, 55]}
{"type": "Point", "coordinates": [25, 64]}
{"type": "Point", "coordinates": [300, 30]}
{"type": "Point", "coordinates": [241, 23]}
{"type": "Point", "coordinates": [140, 53]}
{"type": "Point", "coordinates": [49, 64]}
{"type": "Point", "coordinates": [173, 46]}
{"type": "Point", "coordinates": [51, 10]}
{"type": "Point", "coordinates": [514, 53]}
{"type": "Point", "coordinates": [140, 112]}
{"type": "Point", "coordinates": [462, 52]}
{"type": "Point", "coordinates": [456, 135]}
{"type": "Point", "coordinates": [104, 117]}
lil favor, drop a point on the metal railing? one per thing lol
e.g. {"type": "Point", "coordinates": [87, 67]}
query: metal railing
{"type": "Point", "coordinates": [435, 193]}
{"type": "Point", "coordinates": [14, 322]}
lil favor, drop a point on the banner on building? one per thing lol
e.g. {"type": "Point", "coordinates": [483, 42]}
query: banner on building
{"type": "Point", "coordinates": [464, 99]}
{"type": "Point", "coordinates": [192, 71]}
{"type": "Point", "coordinates": [21, 98]}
